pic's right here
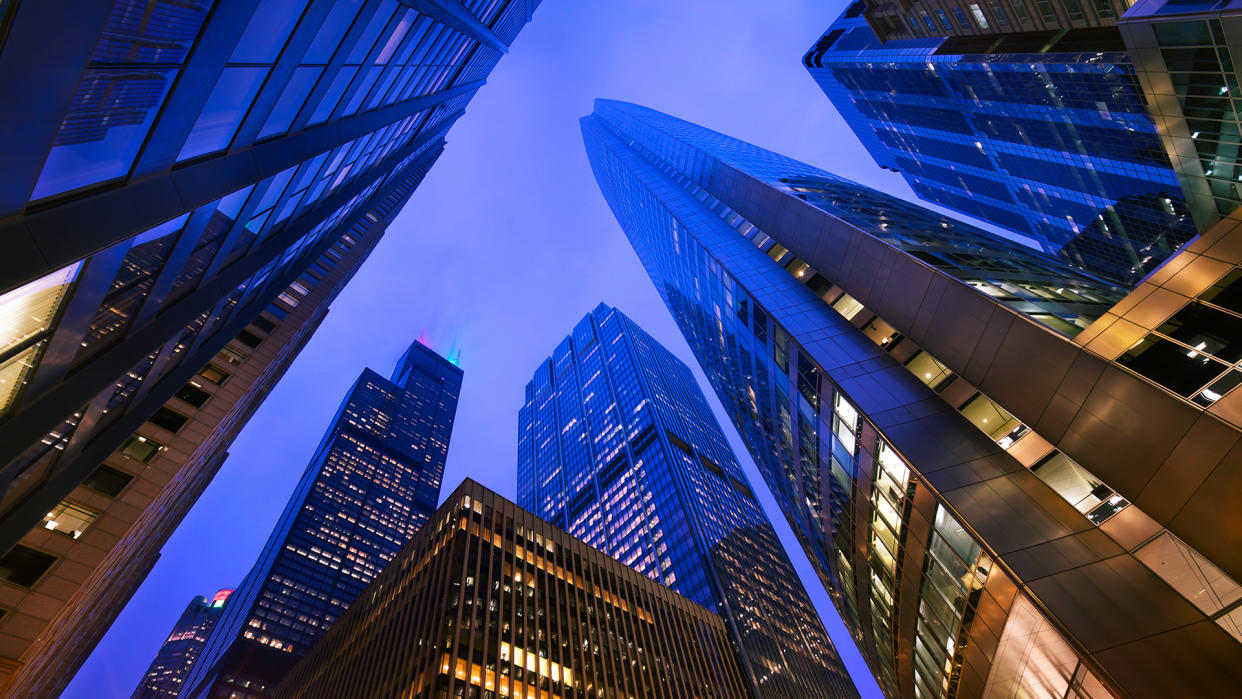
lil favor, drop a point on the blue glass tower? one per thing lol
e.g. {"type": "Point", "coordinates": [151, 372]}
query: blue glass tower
{"type": "Point", "coordinates": [372, 483]}
{"type": "Point", "coordinates": [617, 446]}
{"type": "Point", "coordinates": [1046, 135]}
{"type": "Point", "coordinates": [992, 508]}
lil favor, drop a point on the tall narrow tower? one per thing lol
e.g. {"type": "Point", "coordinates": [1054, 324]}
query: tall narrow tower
{"type": "Point", "coordinates": [995, 508]}
{"type": "Point", "coordinates": [617, 445]}
{"type": "Point", "coordinates": [172, 663]}
{"type": "Point", "coordinates": [373, 481]}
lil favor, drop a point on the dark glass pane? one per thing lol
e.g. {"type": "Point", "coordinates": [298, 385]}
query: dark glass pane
{"type": "Point", "coordinates": [196, 396]}
{"type": "Point", "coordinates": [1171, 365]}
{"type": "Point", "coordinates": [150, 31]}
{"type": "Point", "coordinates": [224, 111]}
{"type": "Point", "coordinates": [1182, 33]}
{"type": "Point", "coordinates": [107, 480]}
{"type": "Point", "coordinates": [105, 127]}
{"type": "Point", "coordinates": [24, 565]}
{"type": "Point", "coordinates": [1226, 293]}
{"type": "Point", "coordinates": [1207, 329]}
{"type": "Point", "coordinates": [269, 29]}
{"type": "Point", "coordinates": [168, 419]}
{"type": "Point", "coordinates": [291, 100]}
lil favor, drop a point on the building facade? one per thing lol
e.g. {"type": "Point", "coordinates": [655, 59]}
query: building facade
{"type": "Point", "coordinates": [172, 663]}
{"type": "Point", "coordinates": [70, 575]}
{"type": "Point", "coordinates": [1183, 57]}
{"type": "Point", "coordinates": [373, 481]}
{"type": "Point", "coordinates": [995, 509]}
{"type": "Point", "coordinates": [617, 445]}
{"type": "Point", "coordinates": [488, 600]}
{"type": "Point", "coordinates": [1046, 135]}
{"type": "Point", "coordinates": [899, 19]}
{"type": "Point", "coordinates": [177, 166]}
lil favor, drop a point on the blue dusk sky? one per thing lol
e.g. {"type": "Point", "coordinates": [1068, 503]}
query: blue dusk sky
{"type": "Point", "coordinates": [504, 247]}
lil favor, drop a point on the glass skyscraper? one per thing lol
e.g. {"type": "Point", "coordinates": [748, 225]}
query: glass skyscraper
{"type": "Point", "coordinates": [1044, 134]}
{"type": "Point", "coordinates": [994, 509]}
{"type": "Point", "coordinates": [373, 481]}
{"type": "Point", "coordinates": [617, 446]}
{"type": "Point", "coordinates": [175, 658]}
{"type": "Point", "coordinates": [174, 169]}
{"type": "Point", "coordinates": [1183, 57]}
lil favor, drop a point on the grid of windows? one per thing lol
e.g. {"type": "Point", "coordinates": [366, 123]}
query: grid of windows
{"type": "Point", "coordinates": [1051, 140]}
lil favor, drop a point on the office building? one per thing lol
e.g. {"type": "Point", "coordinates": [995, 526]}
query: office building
{"type": "Point", "coordinates": [985, 18]}
{"type": "Point", "coordinates": [179, 175]}
{"type": "Point", "coordinates": [372, 482]}
{"type": "Point", "coordinates": [1183, 57]}
{"type": "Point", "coordinates": [1046, 135]}
{"type": "Point", "coordinates": [177, 171]}
{"type": "Point", "coordinates": [70, 576]}
{"type": "Point", "coordinates": [617, 445]}
{"type": "Point", "coordinates": [993, 507]}
{"type": "Point", "coordinates": [488, 600]}
{"type": "Point", "coordinates": [164, 678]}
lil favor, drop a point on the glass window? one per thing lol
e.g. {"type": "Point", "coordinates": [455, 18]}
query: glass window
{"type": "Point", "coordinates": [69, 519]}
{"type": "Point", "coordinates": [291, 101]}
{"type": "Point", "coordinates": [168, 419]}
{"type": "Point", "coordinates": [214, 374]}
{"type": "Point", "coordinates": [269, 29]}
{"type": "Point", "coordinates": [107, 480]}
{"type": "Point", "coordinates": [1208, 330]}
{"type": "Point", "coordinates": [249, 339]}
{"type": "Point", "coordinates": [26, 316]}
{"type": "Point", "coordinates": [1226, 293]}
{"type": "Point", "coordinates": [194, 395]}
{"type": "Point", "coordinates": [1218, 389]}
{"type": "Point", "coordinates": [929, 370]}
{"type": "Point", "coordinates": [224, 111]}
{"type": "Point", "coordinates": [1073, 8]}
{"type": "Point", "coordinates": [232, 356]}
{"type": "Point", "coordinates": [140, 448]}
{"type": "Point", "coordinates": [1072, 482]}
{"type": "Point", "coordinates": [333, 94]}
{"type": "Point", "coordinates": [990, 417]}
{"type": "Point", "coordinates": [1185, 570]}
{"type": "Point", "coordinates": [979, 18]}
{"type": "Point", "coordinates": [1181, 370]}
{"type": "Point", "coordinates": [372, 31]}
{"type": "Point", "coordinates": [24, 566]}
{"type": "Point", "coordinates": [105, 127]}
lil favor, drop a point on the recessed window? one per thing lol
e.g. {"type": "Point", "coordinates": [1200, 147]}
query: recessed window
{"type": "Point", "coordinates": [168, 419]}
{"type": "Point", "coordinates": [249, 339]}
{"type": "Point", "coordinates": [1084, 491]}
{"type": "Point", "coordinates": [232, 356]}
{"type": "Point", "coordinates": [263, 324]}
{"type": "Point", "coordinates": [193, 395]}
{"type": "Point", "coordinates": [107, 480]}
{"type": "Point", "coordinates": [1207, 330]}
{"type": "Point", "coordinates": [69, 519]}
{"type": "Point", "coordinates": [930, 371]}
{"type": "Point", "coordinates": [990, 417]}
{"type": "Point", "coordinates": [214, 374]}
{"type": "Point", "coordinates": [140, 448]}
{"type": "Point", "coordinates": [24, 565]}
{"type": "Point", "coordinates": [1181, 370]}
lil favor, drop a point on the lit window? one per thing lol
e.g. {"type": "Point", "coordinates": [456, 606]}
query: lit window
{"type": "Point", "coordinates": [140, 448]}
{"type": "Point", "coordinates": [213, 374]}
{"type": "Point", "coordinates": [978, 15]}
{"type": "Point", "coordinates": [26, 315]}
{"type": "Point", "coordinates": [69, 519]}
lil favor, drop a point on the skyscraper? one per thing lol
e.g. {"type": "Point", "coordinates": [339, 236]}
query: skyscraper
{"type": "Point", "coordinates": [1183, 57]}
{"type": "Point", "coordinates": [1045, 134]}
{"type": "Point", "coordinates": [187, 186]}
{"type": "Point", "coordinates": [68, 578]}
{"type": "Point", "coordinates": [616, 445]}
{"type": "Point", "coordinates": [175, 658]}
{"type": "Point", "coordinates": [993, 507]}
{"type": "Point", "coordinates": [175, 166]}
{"type": "Point", "coordinates": [488, 600]}
{"type": "Point", "coordinates": [372, 483]}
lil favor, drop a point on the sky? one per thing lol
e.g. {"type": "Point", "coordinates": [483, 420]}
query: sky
{"type": "Point", "coordinates": [503, 248]}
